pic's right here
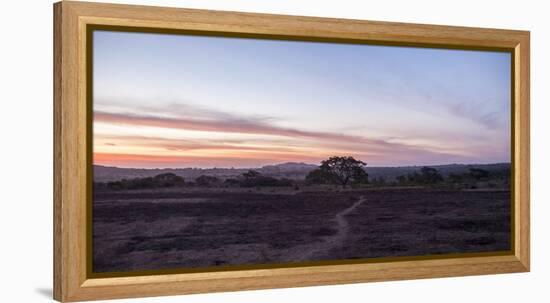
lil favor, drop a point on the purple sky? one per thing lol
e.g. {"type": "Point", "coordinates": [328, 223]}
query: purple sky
{"type": "Point", "coordinates": [187, 101]}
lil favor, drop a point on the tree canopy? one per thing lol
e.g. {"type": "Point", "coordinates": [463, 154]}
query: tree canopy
{"type": "Point", "coordinates": [339, 170]}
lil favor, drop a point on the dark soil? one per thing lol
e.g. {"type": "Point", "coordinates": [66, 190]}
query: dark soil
{"type": "Point", "coordinates": [178, 229]}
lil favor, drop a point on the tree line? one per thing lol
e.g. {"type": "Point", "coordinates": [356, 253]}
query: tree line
{"type": "Point", "coordinates": [159, 181]}
{"type": "Point", "coordinates": [338, 171]}
{"type": "Point", "coordinates": [429, 176]}
{"type": "Point", "coordinates": [249, 179]}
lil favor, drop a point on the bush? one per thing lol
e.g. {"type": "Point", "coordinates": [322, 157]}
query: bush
{"type": "Point", "coordinates": [206, 181]}
{"type": "Point", "coordinates": [255, 179]}
{"type": "Point", "coordinates": [158, 181]}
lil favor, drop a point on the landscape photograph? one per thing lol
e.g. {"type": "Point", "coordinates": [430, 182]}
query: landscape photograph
{"type": "Point", "coordinates": [223, 152]}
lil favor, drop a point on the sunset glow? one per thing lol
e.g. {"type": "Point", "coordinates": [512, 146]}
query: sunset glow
{"type": "Point", "coordinates": [188, 101]}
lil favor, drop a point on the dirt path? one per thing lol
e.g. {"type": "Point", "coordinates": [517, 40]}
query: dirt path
{"type": "Point", "coordinates": [343, 225]}
{"type": "Point", "coordinates": [311, 251]}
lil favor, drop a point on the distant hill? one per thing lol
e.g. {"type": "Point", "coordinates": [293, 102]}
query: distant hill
{"type": "Point", "coordinates": [291, 170]}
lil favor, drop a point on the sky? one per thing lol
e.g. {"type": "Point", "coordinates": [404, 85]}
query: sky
{"type": "Point", "coordinates": [175, 101]}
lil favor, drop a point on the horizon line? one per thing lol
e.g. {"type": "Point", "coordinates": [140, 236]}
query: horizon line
{"type": "Point", "coordinates": [302, 163]}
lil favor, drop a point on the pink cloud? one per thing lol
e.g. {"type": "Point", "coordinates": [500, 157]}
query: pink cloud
{"type": "Point", "coordinates": [300, 145]}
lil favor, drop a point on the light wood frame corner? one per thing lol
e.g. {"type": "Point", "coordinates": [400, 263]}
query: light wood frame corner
{"type": "Point", "coordinates": [71, 147]}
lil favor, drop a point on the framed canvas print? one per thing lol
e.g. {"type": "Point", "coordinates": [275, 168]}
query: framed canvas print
{"type": "Point", "coordinates": [201, 151]}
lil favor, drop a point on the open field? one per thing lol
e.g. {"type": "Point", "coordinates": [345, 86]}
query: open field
{"type": "Point", "coordinates": [167, 229]}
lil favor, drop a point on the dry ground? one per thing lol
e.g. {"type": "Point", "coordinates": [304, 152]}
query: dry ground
{"type": "Point", "coordinates": [169, 229]}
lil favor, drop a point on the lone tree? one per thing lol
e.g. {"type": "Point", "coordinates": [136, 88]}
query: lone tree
{"type": "Point", "coordinates": [340, 170]}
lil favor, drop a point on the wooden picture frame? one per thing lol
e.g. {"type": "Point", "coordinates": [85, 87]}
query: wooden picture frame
{"type": "Point", "coordinates": [72, 146]}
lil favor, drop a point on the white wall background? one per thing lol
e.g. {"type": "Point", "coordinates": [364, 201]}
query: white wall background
{"type": "Point", "coordinates": [26, 150]}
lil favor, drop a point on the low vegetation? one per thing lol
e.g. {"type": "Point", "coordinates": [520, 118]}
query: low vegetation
{"type": "Point", "coordinates": [158, 181]}
{"type": "Point", "coordinates": [334, 172]}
